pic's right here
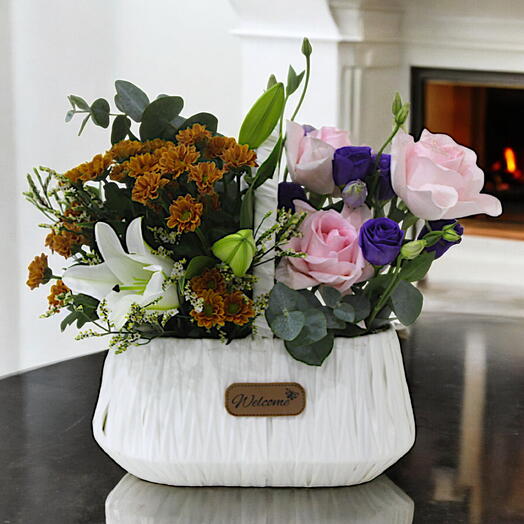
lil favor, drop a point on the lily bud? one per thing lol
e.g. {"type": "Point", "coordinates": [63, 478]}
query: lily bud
{"type": "Point", "coordinates": [355, 193]}
{"type": "Point", "coordinates": [412, 249]}
{"type": "Point", "coordinates": [236, 250]}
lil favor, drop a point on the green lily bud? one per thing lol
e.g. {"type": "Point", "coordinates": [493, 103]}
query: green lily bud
{"type": "Point", "coordinates": [236, 250]}
{"type": "Point", "coordinates": [412, 249]}
{"type": "Point", "coordinates": [306, 47]}
{"type": "Point", "coordinates": [451, 235]}
{"type": "Point", "coordinates": [396, 106]}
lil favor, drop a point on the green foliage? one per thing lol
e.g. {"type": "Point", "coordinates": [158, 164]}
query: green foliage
{"type": "Point", "coordinates": [406, 301]}
{"type": "Point", "coordinates": [158, 116]}
{"type": "Point", "coordinates": [416, 269]}
{"type": "Point", "coordinates": [312, 354]}
{"type": "Point", "coordinates": [344, 312]}
{"type": "Point", "coordinates": [100, 112]}
{"type": "Point", "coordinates": [267, 168]}
{"type": "Point", "coordinates": [120, 129]}
{"type": "Point", "coordinates": [330, 295]}
{"type": "Point", "coordinates": [288, 325]}
{"type": "Point", "coordinates": [360, 304]}
{"type": "Point", "coordinates": [263, 117]}
{"type": "Point", "coordinates": [293, 81]}
{"type": "Point", "coordinates": [130, 99]}
{"type": "Point", "coordinates": [83, 309]}
{"type": "Point", "coordinates": [206, 119]}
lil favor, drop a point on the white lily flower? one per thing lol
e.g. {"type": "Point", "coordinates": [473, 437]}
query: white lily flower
{"type": "Point", "coordinates": [123, 279]}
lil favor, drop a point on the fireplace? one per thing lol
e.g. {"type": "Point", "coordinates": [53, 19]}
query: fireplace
{"type": "Point", "coordinates": [484, 111]}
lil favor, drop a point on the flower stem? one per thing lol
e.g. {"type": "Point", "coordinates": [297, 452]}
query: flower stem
{"type": "Point", "coordinates": [203, 240]}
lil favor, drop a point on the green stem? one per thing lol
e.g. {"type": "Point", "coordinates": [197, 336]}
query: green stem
{"type": "Point", "coordinates": [203, 240]}
{"type": "Point", "coordinates": [304, 89]}
{"type": "Point", "coordinates": [385, 295]}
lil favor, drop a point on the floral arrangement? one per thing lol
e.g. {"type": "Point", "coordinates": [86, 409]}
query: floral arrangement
{"type": "Point", "coordinates": [159, 236]}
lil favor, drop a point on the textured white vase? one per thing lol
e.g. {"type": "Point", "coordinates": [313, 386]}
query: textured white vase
{"type": "Point", "coordinates": [161, 413]}
{"type": "Point", "coordinates": [379, 502]}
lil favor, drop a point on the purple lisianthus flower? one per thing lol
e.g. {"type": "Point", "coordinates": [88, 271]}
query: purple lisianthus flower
{"type": "Point", "coordinates": [355, 193]}
{"type": "Point", "coordinates": [442, 245]}
{"type": "Point", "coordinates": [384, 187]}
{"type": "Point", "coordinates": [308, 129]}
{"type": "Point", "coordinates": [289, 191]}
{"type": "Point", "coordinates": [380, 240]}
{"type": "Point", "coordinates": [351, 163]}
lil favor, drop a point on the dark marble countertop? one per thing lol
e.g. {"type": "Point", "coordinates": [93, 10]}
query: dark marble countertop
{"type": "Point", "coordinates": [467, 465]}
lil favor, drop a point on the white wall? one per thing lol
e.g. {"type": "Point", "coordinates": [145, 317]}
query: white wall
{"type": "Point", "coordinates": [51, 49]}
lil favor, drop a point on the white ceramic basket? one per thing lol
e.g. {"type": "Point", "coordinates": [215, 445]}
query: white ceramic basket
{"type": "Point", "coordinates": [161, 413]}
{"type": "Point", "coordinates": [379, 502]}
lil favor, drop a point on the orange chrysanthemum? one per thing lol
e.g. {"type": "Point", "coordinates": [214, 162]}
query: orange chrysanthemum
{"type": "Point", "coordinates": [185, 214]}
{"type": "Point", "coordinates": [212, 313]}
{"type": "Point", "coordinates": [205, 174]}
{"type": "Point", "coordinates": [239, 156]}
{"type": "Point", "coordinates": [119, 172]}
{"type": "Point", "coordinates": [154, 145]}
{"type": "Point", "coordinates": [195, 134]}
{"type": "Point", "coordinates": [218, 144]}
{"type": "Point", "coordinates": [238, 308]}
{"type": "Point", "coordinates": [63, 242]}
{"type": "Point", "coordinates": [174, 161]}
{"type": "Point", "coordinates": [89, 170]}
{"type": "Point", "coordinates": [39, 271]}
{"type": "Point", "coordinates": [142, 164]}
{"type": "Point", "coordinates": [147, 186]}
{"type": "Point", "coordinates": [55, 297]}
{"type": "Point", "coordinates": [209, 280]}
{"type": "Point", "coordinates": [125, 149]}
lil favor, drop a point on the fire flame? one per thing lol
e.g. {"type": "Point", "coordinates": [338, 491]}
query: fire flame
{"type": "Point", "coordinates": [511, 160]}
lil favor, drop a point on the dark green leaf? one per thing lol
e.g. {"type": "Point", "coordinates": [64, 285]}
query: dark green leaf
{"type": "Point", "coordinates": [345, 312]}
{"type": "Point", "coordinates": [409, 220]}
{"type": "Point", "coordinates": [416, 269]}
{"type": "Point", "coordinates": [293, 80]}
{"type": "Point", "coordinates": [332, 321]}
{"type": "Point", "coordinates": [68, 320]}
{"type": "Point", "coordinates": [267, 169]}
{"type": "Point", "coordinates": [84, 122]}
{"type": "Point", "coordinates": [197, 266]}
{"type": "Point", "coordinates": [247, 210]}
{"type": "Point", "coordinates": [130, 99]}
{"type": "Point", "coordinates": [360, 304]}
{"type": "Point", "coordinates": [315, 328]}
{"type": "Point", "coordinates": [312, 354]}
{"type": "Point", "coordinates": [206, 119]}
{"type": "Point", "coordinates": [69, 115]}
{"type": "Point", "coordinates": [311, 298]}
{"type": "Point", "coordinates": [288, 325]}
{"type": "Point", "coordinates": [79, 102]}
{"type": "Point", "coordinates": [100, 112]}
{"type": "Point", "coordinates": [262, 117]}
{"type": "Point", "coordinates": [330, 295]}
{"type": "Point", "coordinates": [406, 300]}
{"type": "Point", "coordinates": [352, 330]}
{"type": "Point", "coordinates": [283, 298]}
{"type": "Point", "coordinates": [120, 128]}
{"type": "Point", "coordinates": [157, 117]}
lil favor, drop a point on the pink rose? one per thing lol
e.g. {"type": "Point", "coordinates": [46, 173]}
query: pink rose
{"type": "Point", "coordinates": [334, 257]}
{"type": "Point", "coordinates": [309, 157]}
{"type": "Point", "coordinates": [438, 178]}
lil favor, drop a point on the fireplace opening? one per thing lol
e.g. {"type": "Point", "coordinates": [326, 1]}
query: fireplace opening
{"type": "Point", "coordinates": [483, 111]}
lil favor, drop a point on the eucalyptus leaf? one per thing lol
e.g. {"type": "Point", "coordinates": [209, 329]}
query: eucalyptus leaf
{"type": "Point", "coordinates": [206, 119]}
{"type": "Point", "coordinates": [83, 124]}
{"type": "Point", "coordinates": [312, 354]}
{"type": "Point", "coordinates": [330, 295]}
{"type": "Point", "coordinates": [120, 128]}
{"type": "Point", "coordinates": [315, 328]}
{"type": "Point", "coordinates": [283, 298]}
{"type": "Point", "coordinates": [100, 112]}
{"type": "Point", "coordinates": [130, 99]}
{"type": "Point", "coordinates": [406, 301]}
{"type": "Point", "coordinates": [69, 115]}
{"type": "Point", "coordinates": [79, 102]}
{"type": "Point", "coordinates": [332, 321]}
{"type": "Point", "coordinates": [288, 325]}
{"type": "Point", "coordinates": [416, 269]}
{"type": "Point", "coordinates": [345, 312]}
{"type": "Point", "coordinates": [157, 117]}
{"type": "Point", "coordinates": [361, 306]}
{"type": "Point", "coordinates": [263, 117]}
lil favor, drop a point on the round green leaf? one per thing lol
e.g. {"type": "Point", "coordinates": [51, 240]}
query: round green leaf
{"type": "Point", "coordinates": [360, 304]}
{"type": "Point", "coordinates": [312, 354]}
{"type": "Point", "coordinates": [407, 301]}
{"type": "Point", "coordinates": [345, 312]}
{"type": "Point", "coordinates": [157, 117]}
{"type": "Point", "coordinates": [315, 328]}
{"type": "Point", "coordinates": [206, 119]}
{"type": "Point", "coordinates": [288, 325]}
{"type": "Point", "coordinates": [130, 99]}
{"type": "Point", "coordinates": [100, 112]}
{"type": "Point", "coordinates": [330, 295]}
{"type": "Point", "coordinates": [283, 298]}
{"type": "Point", "coordinates": [120, 129]}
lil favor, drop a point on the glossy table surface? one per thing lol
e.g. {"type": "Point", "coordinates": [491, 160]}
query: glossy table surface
{"type": "Point", "coordinates": [467, 465]}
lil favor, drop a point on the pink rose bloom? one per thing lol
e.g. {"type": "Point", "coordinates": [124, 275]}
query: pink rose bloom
{"type": "Point", "coordinates": [334, 257]}
{"type": "Point", "coordinates": [438, 178]}
{"type": "Point", "coordinates": [309, 157]}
